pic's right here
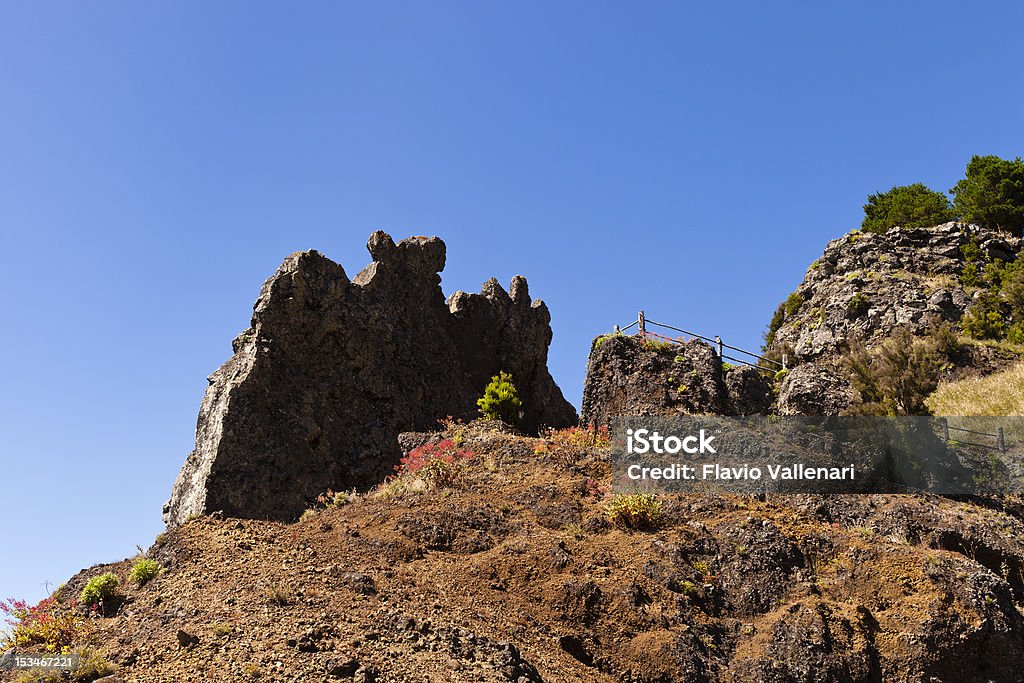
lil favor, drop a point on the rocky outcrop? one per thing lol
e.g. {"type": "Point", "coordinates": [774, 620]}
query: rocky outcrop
{"type": "Point", "coordinates": [331, 370]}
{"type": "Point", "coordinates": [865, 288]}
{"type": "Point", "coordinates": [866, 285]}
{"type": "Point", "coordinates": [627, 375]}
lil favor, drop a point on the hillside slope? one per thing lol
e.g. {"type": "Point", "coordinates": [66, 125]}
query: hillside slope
{"type": "Point", "coordinates": [515, 573]}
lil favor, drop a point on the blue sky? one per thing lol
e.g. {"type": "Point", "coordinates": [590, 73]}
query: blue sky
{"type": "Point", "coordinates": [159, 160]}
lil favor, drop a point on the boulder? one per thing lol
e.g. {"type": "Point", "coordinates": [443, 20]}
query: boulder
{"type": "Point", "coordinates": [812, 389]}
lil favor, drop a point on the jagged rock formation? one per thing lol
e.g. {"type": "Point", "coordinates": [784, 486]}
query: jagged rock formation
{"type": "Point", "coordinates": [627, 375]}
{"type": "Point", "coordinates": [866, 285]}
{"type": "Point", "coordinates": [332, 370]}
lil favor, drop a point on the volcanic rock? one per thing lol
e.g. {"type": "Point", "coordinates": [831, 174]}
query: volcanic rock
{"type": "Point", "coordinates": [331, 370]}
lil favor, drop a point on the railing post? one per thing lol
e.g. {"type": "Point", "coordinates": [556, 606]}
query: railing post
{"type": "Point", "coordinates": [785, 358]}
{"type": "Point", "coordinates": [1001, 440]}
{"type": "Point", "coordinates": [718, 342]}
{"type": "Point", "coordinates": [641, 325]}
{"type": "Point", "coordinates": [616, 329]}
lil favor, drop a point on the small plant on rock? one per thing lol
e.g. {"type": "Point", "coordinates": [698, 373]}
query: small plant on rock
{"type": "Point", "coordinates": [279, 596]}
{"type": "Point", "coordinates": [501, 400]}
{"type": "Point", "coordinates": [336, 499]}
{"type": "Point", "coordinates": [91, 666]}
{"type": "Point", "coordinates": [144, 570]}
{"type": "Point", "coordinates": [99, 588]}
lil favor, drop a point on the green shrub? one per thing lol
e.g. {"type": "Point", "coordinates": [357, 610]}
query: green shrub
{"type": "Point", "coordinates": [983, 321]}
{"type": "Point", "coordinates": [144, 570]}
{"type": "Point", "coordinates": [907, 206]}
{"type": "Point", "coordinates": [896, 377]}
{"type": "Point", "coordinates": [793, 303]}
{"type": "Point", "coordinates": [992, 193]}
{"type": "Point", "coordinates": [969, 276]}
{"type": "Point", "coordinates": [501, 400]}
{"type": "Point", "coordinates": [1015, 334]}
{"type": "Point", "coordinates": [98, 588]}
{"type": "Point", "coordinates": [657, 344]}
{"type": "Point", "coordinates": [971, 251]}
{"type": "Point", "coordinates": [635, 510]}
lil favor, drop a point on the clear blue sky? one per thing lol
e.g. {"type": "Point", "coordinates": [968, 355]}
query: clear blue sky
{"type": "Point", "coordinates": [159, 160]}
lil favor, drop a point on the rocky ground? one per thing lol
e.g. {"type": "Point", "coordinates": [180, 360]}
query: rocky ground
{"type": "Point", "coordinates": [516, 574]}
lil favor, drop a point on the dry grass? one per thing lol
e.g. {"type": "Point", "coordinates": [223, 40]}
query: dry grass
{"type": "Point", "coordinates": [1001, 393]}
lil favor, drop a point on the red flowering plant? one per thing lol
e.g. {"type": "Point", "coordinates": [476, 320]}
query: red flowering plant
{"type": "Point", "coordinates": [440, 464]}
{"type": "Point", "coordinates": [47, 625]}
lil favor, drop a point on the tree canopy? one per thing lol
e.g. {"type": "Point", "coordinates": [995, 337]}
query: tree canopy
{"type": "Point", "coordinates": [992, 193]}
{"type": "Point", "coordinates": [907, 206]}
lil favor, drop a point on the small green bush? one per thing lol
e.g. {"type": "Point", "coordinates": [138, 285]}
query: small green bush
{"type": "Point", "coordinates": [635, 510]}
{"type": "Point", "coordinates": [501, 400]}
{"type": "Point", "coordinates": [98, 589]}
{"type": "Point", "coordinates": [793, 303]}
{"type": "Point", "coordinates": [144, 570]}
{"type": "Point", "coordinates": [971, 251]}
{"type": "Point", "coordinates": [1015, 334]}
{"type": "Point", "coordinates": [91, 666]}
{"type": "Point", "coordinates": [657, 344]}
{"type": "Point", "coordinates": [907, 206]}
{"type": "Point", "coordinates": [992, 193]}
{"type": "Point", "coordinates": [983, 322]}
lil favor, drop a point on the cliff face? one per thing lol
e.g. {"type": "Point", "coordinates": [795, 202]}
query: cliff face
{"type": "Point", "coordinates": [332, 370]}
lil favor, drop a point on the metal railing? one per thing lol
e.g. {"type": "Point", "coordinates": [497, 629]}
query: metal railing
{"type": "Point", "coordinates": [642, 322]}
{"type": "Point", "coordinates": [998, 435]}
